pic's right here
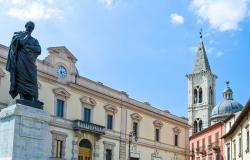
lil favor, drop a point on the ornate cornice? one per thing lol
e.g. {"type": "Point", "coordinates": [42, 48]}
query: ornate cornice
{"type": "Point", "coordinates": [136, 117]}
{"type": "Point", "coordinates": [88, 100]}
{"type": "Point", "coordinates": [177, 130]}
{"type": "Point", "coordinates": [158, 123]}
{"type": "Point", "coordinates": [59, 49]}
{"type": "Point", "coordinates": [201, 73]}
{"type": "Point", "coordinates": [62, 92]}
{"type": "Point", "coordinates": [111, 108]}
{"type": "Point", "coordinates": [59, 133]}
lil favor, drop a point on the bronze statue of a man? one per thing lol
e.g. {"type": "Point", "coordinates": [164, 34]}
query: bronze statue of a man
{"type": "Point", "coordinates": [21, 63]}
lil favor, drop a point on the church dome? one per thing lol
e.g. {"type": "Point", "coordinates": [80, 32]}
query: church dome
{"type": "Point", "coordinates": [228, 89]}
{"type": "Point", "coordinates": [226, 107]}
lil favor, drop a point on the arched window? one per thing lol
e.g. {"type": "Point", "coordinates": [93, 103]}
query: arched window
{"type": "Point", "coordinates": [200, 95]}
{"type": "Point", "coordinates": [210, 95]}
{"type": "Point", "coordinates": [195, 127]}
{"type": "Point", "coordinates": [85, 150]}
{"type": "Point", "coordinates": [200, 125]}
{"type": "Point", "coordinates": [85, 143]}
{"type": "Point", "coordinates": [195, 96]}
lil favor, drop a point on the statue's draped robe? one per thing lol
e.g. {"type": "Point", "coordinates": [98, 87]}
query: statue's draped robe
{"type": "Point", "coordinates": [21, 65]}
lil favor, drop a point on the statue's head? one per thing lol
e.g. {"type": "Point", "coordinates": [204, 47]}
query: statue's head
{"type": "Point", "coordinates": [30, 26]}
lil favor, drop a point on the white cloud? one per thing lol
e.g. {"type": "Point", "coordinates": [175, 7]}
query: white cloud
{"type": "Point", "coordinates": [19, 2]}
{"type": "Point", "coordinates": [176, 19]}
{"type": "Point", "coordinates": [109, 3]}
{"type": "Point", "coordinates": [32, 10]}
{"type": "Point", "coordinates": [223, 15]}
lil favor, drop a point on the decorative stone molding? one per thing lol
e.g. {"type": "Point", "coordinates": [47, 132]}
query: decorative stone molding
{"type": "Point", "coordinates": [111, 108]}
{"type": "Point", "coordinates": [63, 50]}
{"type": "Point", "coordinates": [39, 85]}
{"type": "Point", "coordinates": [108, 145]}
{"type": "Point", "coordinates": [2, 73]}
{"type": "Point", "coordinates": [156, 155]}
{"type": "Point", "coordinates": [61, 92]}
{"type": "Point", "coordinates": [176, 130]}
{"type": "Point", "coordinates": [57, 135]}
{"type": "Point", "coordinates": [134, 152]}
{"type": "Point", "coordinates": [136, 117]}
{"type": "Point", "coordinates": [158, 123]}
{"type": "Point", "coordinates": [88, 100]}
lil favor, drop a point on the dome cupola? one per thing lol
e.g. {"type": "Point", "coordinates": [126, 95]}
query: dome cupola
{"type": "Point", "coordinates": [226, 107]}
{"type": "Point", "coordinates": [228, 92]}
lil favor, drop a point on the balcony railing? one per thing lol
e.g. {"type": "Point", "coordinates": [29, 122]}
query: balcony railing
{"type": "Point", "coordinates": [202, 150]}
{"type": "Point", "coordinates": [213, 146]}
{"type": "Point", "coordinates": [192, 153]}
{"type": "Point", "coordinates": [89, 127]}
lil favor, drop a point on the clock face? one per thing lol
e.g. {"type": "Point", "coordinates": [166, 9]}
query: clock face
{"type": "Point", "coordinates": [61, 71]}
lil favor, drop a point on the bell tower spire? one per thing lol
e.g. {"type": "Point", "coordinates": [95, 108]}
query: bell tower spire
{"type": "Point", "coordinates": [201, 91]}
{"type": "Point", "coordinates": [201, 62]}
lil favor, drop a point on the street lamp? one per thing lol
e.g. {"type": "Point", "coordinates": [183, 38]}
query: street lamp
{"type": "Point", "coordinates": [131, 135]}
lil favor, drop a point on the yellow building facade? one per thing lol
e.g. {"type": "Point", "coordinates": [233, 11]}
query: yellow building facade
{"type": "Point", "coordinates": [237, 135]}
{"type": "Point", "coordinates": [91, 121]}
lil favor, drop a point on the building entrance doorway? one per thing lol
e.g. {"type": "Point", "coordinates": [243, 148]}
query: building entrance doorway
{"type": "Point", "coordinates": [84, 150]}
{"type": "Point", "coordinates": [134, 158]}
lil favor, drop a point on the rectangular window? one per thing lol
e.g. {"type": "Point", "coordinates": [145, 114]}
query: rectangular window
{"type": "Point", "coordinates": [157, 134]}
{"type": "Point", "coordinates": [209, 140]}
{"type": "Point", "coordinates": [176, 140]}
{"type": "Point", "coordinates": [197, 147]}
{"type": "Point", "coordinates": [234, 145]}
{"type": "Point", "coordinates": [217, 138]}
{"type": "Point", "coordinates": [58, 148]}
{"type": "Point", "coordinates": [228, 152]}
{"type": "Point", "coordinates": [108, 154]}
{"type": "Point", "coordinates": [59, 108]}
{"type": "Point", "coordinates": [110, 121]}
{"type": "Point", "coordinates": [240, 148]}
{"type": "Point", "coordinates": [135, 129]}
{"type": "Point", "coordinates": [193, 156]}
{"type": "Point", "coordinates": [86, 115]}
{"type": "Point", "coordinates": [203, 143]}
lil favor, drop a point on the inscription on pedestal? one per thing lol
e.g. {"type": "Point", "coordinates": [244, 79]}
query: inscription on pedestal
{"type": "Point", "coordinates": [31, 128]}
{"type": "Point", "coordinates": [23, 133]}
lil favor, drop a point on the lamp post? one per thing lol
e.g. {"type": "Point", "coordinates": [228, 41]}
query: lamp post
{"type": "Point", "coordinates": [131, 135]}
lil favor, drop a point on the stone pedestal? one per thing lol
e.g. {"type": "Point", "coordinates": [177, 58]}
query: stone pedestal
{"type": "Point", "coordinates": [23, 133]}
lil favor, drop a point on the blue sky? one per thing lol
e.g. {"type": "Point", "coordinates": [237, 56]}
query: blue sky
{"type": "Point", "coordinates": [144, 48]}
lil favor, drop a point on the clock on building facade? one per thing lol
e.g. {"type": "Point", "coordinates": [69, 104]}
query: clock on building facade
{"type": "Point", "coordinates": [61, 71]}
